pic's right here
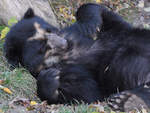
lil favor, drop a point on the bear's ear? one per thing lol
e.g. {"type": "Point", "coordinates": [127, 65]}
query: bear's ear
{"type": "Point", "coordinates": [29, 13]}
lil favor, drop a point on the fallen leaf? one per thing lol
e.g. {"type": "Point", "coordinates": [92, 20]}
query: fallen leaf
{"type": "Point", "coordinates": [7, 90]}
{"type": "Point", "coordinates": [61, 9]}
{"type": "Point", "coordinates": [32, 103]}
{"type": "Point", "coordinates": [4, 32]}
{"type": "Point", "coordinates": [98, 1]}
{"type": "Point", "coordinates": [1, 111]}
{"type": "Point", "coordinates": [1, 82]}
{"type": "Point", "coordinates": [30, 108]}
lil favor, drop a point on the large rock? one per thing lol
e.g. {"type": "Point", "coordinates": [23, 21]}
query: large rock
{"type": "Point", "coordinates": [16, 8]}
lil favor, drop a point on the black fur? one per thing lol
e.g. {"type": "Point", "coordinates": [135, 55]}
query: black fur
{"type": "Point", "coordinates": [72, 84]}
{"type": "Point", "coordinates": [60, 79]}
{"type": "Point", "coordinates": [120, 56]}
{"type": "Point", "coordinates": [18, 36]}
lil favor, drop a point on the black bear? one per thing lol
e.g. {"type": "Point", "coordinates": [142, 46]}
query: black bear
{"type": "Point", "coordinates": [23, 33]}
{"type": "Point", "coordinates": [120, 56]}
{"type": "Point", "coordinates": [50, 56]}
{"type": "Point", "coordinates": [79, 61]}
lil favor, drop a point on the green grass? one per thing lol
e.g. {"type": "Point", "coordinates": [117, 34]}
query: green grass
{"type": "Point", "coordinates": [83, 108]}
{"type": "Point", "coordinates": [19, 81]}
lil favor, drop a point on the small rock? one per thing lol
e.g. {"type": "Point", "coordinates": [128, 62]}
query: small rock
{"type": "Point", "coordinates": [147, 9]}
{"type": "Point", "coordinates": [125, 5]}
{"type": "Point", "coordinates": [141, 4]}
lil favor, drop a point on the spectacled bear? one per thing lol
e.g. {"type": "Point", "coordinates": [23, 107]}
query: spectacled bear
{"type": "Point", "coordinates": [118, 58]}
{"type": "Point", "coordinates": [23, 34]}
{"type": "Point", "coordinates": [50, 56]}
